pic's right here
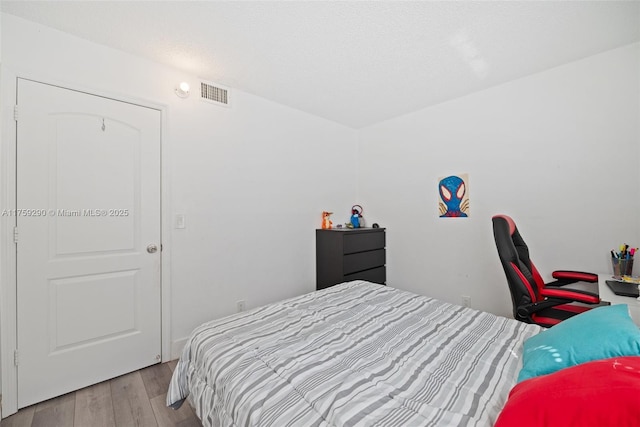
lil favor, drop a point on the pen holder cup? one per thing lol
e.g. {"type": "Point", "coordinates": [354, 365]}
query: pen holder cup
{"type": "Point", "coordinates": [622, 267]}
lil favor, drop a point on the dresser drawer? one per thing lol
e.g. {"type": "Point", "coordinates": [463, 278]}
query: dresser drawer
{"type": "Point", "coordinates": [375, 275]}
{"type": "Point", "coordinates": [363, 261]}
{"type": "Point", "coordinates": [359, 242]}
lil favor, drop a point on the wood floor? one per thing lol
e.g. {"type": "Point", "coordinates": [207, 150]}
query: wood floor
{"type": "Point", "coordinates": [135, 399]}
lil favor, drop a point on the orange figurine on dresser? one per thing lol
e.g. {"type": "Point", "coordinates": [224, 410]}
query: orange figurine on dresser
{"type": "Point", "coordinates": [326, 222]}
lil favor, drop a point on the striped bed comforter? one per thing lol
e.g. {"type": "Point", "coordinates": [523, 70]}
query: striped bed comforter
{"type": "Point", "coordinates": [356, 354]}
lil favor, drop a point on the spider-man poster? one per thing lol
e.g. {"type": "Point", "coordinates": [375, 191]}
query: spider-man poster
{"type": "Point", "coordinates": [454, 196]}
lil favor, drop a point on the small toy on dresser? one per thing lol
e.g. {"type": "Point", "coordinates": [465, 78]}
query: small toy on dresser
{"type": "Point", "coordinates": [357, 221]}
{"type": "Point", "coordinates": [326, 222]}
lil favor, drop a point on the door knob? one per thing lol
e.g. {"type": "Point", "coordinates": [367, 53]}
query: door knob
{"type": "Point", "coordinates": [152, 248]}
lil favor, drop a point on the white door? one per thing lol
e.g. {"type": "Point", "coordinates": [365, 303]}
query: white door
{"type": "Point", "coordinates": [88, 217]}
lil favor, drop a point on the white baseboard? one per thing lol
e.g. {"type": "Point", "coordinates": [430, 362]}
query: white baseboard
{"type": "Point", "coordinates": [177, 346]}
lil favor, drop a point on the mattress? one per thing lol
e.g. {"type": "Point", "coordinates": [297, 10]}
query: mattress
{"type": "Point", "coordinates": [355, 354]}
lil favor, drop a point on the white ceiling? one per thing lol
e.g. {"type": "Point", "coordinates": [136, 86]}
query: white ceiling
{"type": "Point", "coordinates": [353, 62]}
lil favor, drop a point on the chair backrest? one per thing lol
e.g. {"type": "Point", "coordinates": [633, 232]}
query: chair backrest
{"type": "Point", "coordinates": [523, 278]}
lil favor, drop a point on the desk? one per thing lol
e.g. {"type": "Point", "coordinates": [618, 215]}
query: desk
{"type": "Point", "coordinates": [607, 295]}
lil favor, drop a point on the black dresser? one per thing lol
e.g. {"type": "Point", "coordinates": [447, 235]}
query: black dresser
{"type": "Point", "coordinates": [349, 254]}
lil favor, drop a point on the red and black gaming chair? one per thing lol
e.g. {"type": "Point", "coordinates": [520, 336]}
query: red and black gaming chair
{"type": "Point", "coordinates": [534, 301]}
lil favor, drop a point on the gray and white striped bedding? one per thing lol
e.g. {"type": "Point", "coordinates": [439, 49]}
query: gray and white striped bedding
{"type": "Point", "coordinates": [356, 354]}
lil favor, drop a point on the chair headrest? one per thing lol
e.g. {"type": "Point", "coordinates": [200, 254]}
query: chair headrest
{"type": "Point", "coordinates": [512, 224]}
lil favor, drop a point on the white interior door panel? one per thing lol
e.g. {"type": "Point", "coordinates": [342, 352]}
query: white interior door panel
{"type": "Point", "coordinates": [88, 205]}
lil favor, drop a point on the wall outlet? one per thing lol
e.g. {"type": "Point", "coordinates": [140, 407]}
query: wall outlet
{"type": "Point", "coordinates": [241, 305]}
{"type": "Point", "coordinates": [466, 300]}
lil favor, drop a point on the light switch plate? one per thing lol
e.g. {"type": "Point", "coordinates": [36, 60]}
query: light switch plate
{"type": "Point", "coordinates": [180, 221]}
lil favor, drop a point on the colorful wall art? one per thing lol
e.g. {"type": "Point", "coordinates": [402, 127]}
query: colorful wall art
{"type": "Point", "coordinates": [454, 196]}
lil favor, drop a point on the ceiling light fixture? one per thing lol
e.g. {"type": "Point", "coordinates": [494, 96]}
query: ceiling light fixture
{"type": "Point", "coordinates": [183, 90]}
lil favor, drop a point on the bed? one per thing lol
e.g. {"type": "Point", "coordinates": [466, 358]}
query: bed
{"type": "Point", "coordinates": [354, 354]}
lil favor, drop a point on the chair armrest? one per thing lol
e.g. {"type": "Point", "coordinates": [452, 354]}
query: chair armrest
{"type": "Point", "coordinates": [574, 275]}
{"type": "Point", "coordinates": [526, 310]}
{"type": "Point", "coordinates": [570, 295]}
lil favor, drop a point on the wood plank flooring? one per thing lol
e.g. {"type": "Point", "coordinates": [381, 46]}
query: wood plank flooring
{"type": "Point", "coordinates": [135, 399]}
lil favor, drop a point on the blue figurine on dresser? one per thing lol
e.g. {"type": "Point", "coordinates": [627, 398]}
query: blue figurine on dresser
{"type": "Point", "coordinates": [356, 215]}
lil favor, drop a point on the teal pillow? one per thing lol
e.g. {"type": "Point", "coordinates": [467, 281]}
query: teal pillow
{"type": "Point", "coordinates": [596, 334]}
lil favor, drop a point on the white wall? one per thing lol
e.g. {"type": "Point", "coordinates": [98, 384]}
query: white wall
{"type": "Point", "coordinates": [558, 150]}
{"type": "Point", "coordinates": [253, 189]}
{"type": "Point", "coordinates": [1, 266]}
{"type": "Point", "coordinates": [252, 180]}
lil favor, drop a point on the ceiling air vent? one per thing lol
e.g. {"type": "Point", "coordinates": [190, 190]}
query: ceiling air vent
{"type": "Point", "coordinates": [214, 93]}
